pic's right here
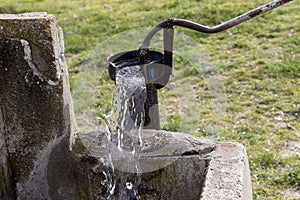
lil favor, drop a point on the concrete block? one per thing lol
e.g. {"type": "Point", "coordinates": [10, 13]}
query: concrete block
{"type": "Point", "coordinates": [228, 174]}
{"type": "Point", "coordinates": [35, 103]}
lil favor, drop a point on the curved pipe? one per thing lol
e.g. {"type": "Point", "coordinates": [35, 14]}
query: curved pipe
{"type": "Point", "coordinates": [215, 29]}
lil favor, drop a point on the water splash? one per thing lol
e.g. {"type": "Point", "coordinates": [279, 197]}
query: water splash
{"type": "Point", "coordinates": [123, 133]}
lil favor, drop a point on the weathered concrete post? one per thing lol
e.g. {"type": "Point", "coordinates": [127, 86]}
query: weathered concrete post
{"type": "Point", "coordinates": [35, 105]}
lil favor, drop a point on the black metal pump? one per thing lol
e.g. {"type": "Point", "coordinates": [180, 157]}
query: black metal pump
{"type": "Point", "coordinates": [159, 75]}
{"type": "Point", "coordinates": [157, 67]}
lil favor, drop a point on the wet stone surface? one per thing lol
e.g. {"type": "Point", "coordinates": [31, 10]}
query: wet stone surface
{"type": "Point", "coordinates": [172, 165]}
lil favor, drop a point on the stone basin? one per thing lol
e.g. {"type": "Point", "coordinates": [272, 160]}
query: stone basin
{"type": "Point", "coordinates": [173, 166]}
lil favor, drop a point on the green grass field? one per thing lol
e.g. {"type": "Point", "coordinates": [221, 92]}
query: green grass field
{"type": "Point", "coordinates": [258, 63]}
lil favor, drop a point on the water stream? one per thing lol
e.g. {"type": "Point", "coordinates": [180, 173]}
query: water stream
{"type": "Point", "coordinates": [123, 132]}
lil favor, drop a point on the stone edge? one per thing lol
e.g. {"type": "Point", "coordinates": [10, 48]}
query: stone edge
{"type": "Point", "coordinates": [228, 174]}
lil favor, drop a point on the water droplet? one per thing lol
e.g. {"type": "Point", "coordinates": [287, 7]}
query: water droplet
{"type": "Point", "coordinates": [129, 185]}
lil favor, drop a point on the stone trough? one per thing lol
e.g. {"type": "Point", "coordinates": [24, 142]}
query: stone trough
{"type": "Point", "coordinates": [41, 157]}
{"type": "Point", "coordinates": [176, 166]}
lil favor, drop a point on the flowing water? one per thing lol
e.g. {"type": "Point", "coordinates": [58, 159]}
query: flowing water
{"type": "Point", "coordinates": [123, 132]}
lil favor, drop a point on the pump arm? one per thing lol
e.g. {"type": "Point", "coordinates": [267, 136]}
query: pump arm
{"type": "Point", "coordinates": [205, 29]}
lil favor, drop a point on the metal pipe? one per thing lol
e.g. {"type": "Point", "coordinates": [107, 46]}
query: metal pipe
{"type": "Point", "coordinates": [215, 29]}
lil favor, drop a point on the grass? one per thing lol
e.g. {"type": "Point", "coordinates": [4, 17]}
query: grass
{"type": "Point", "coordinates": [258, 63]}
